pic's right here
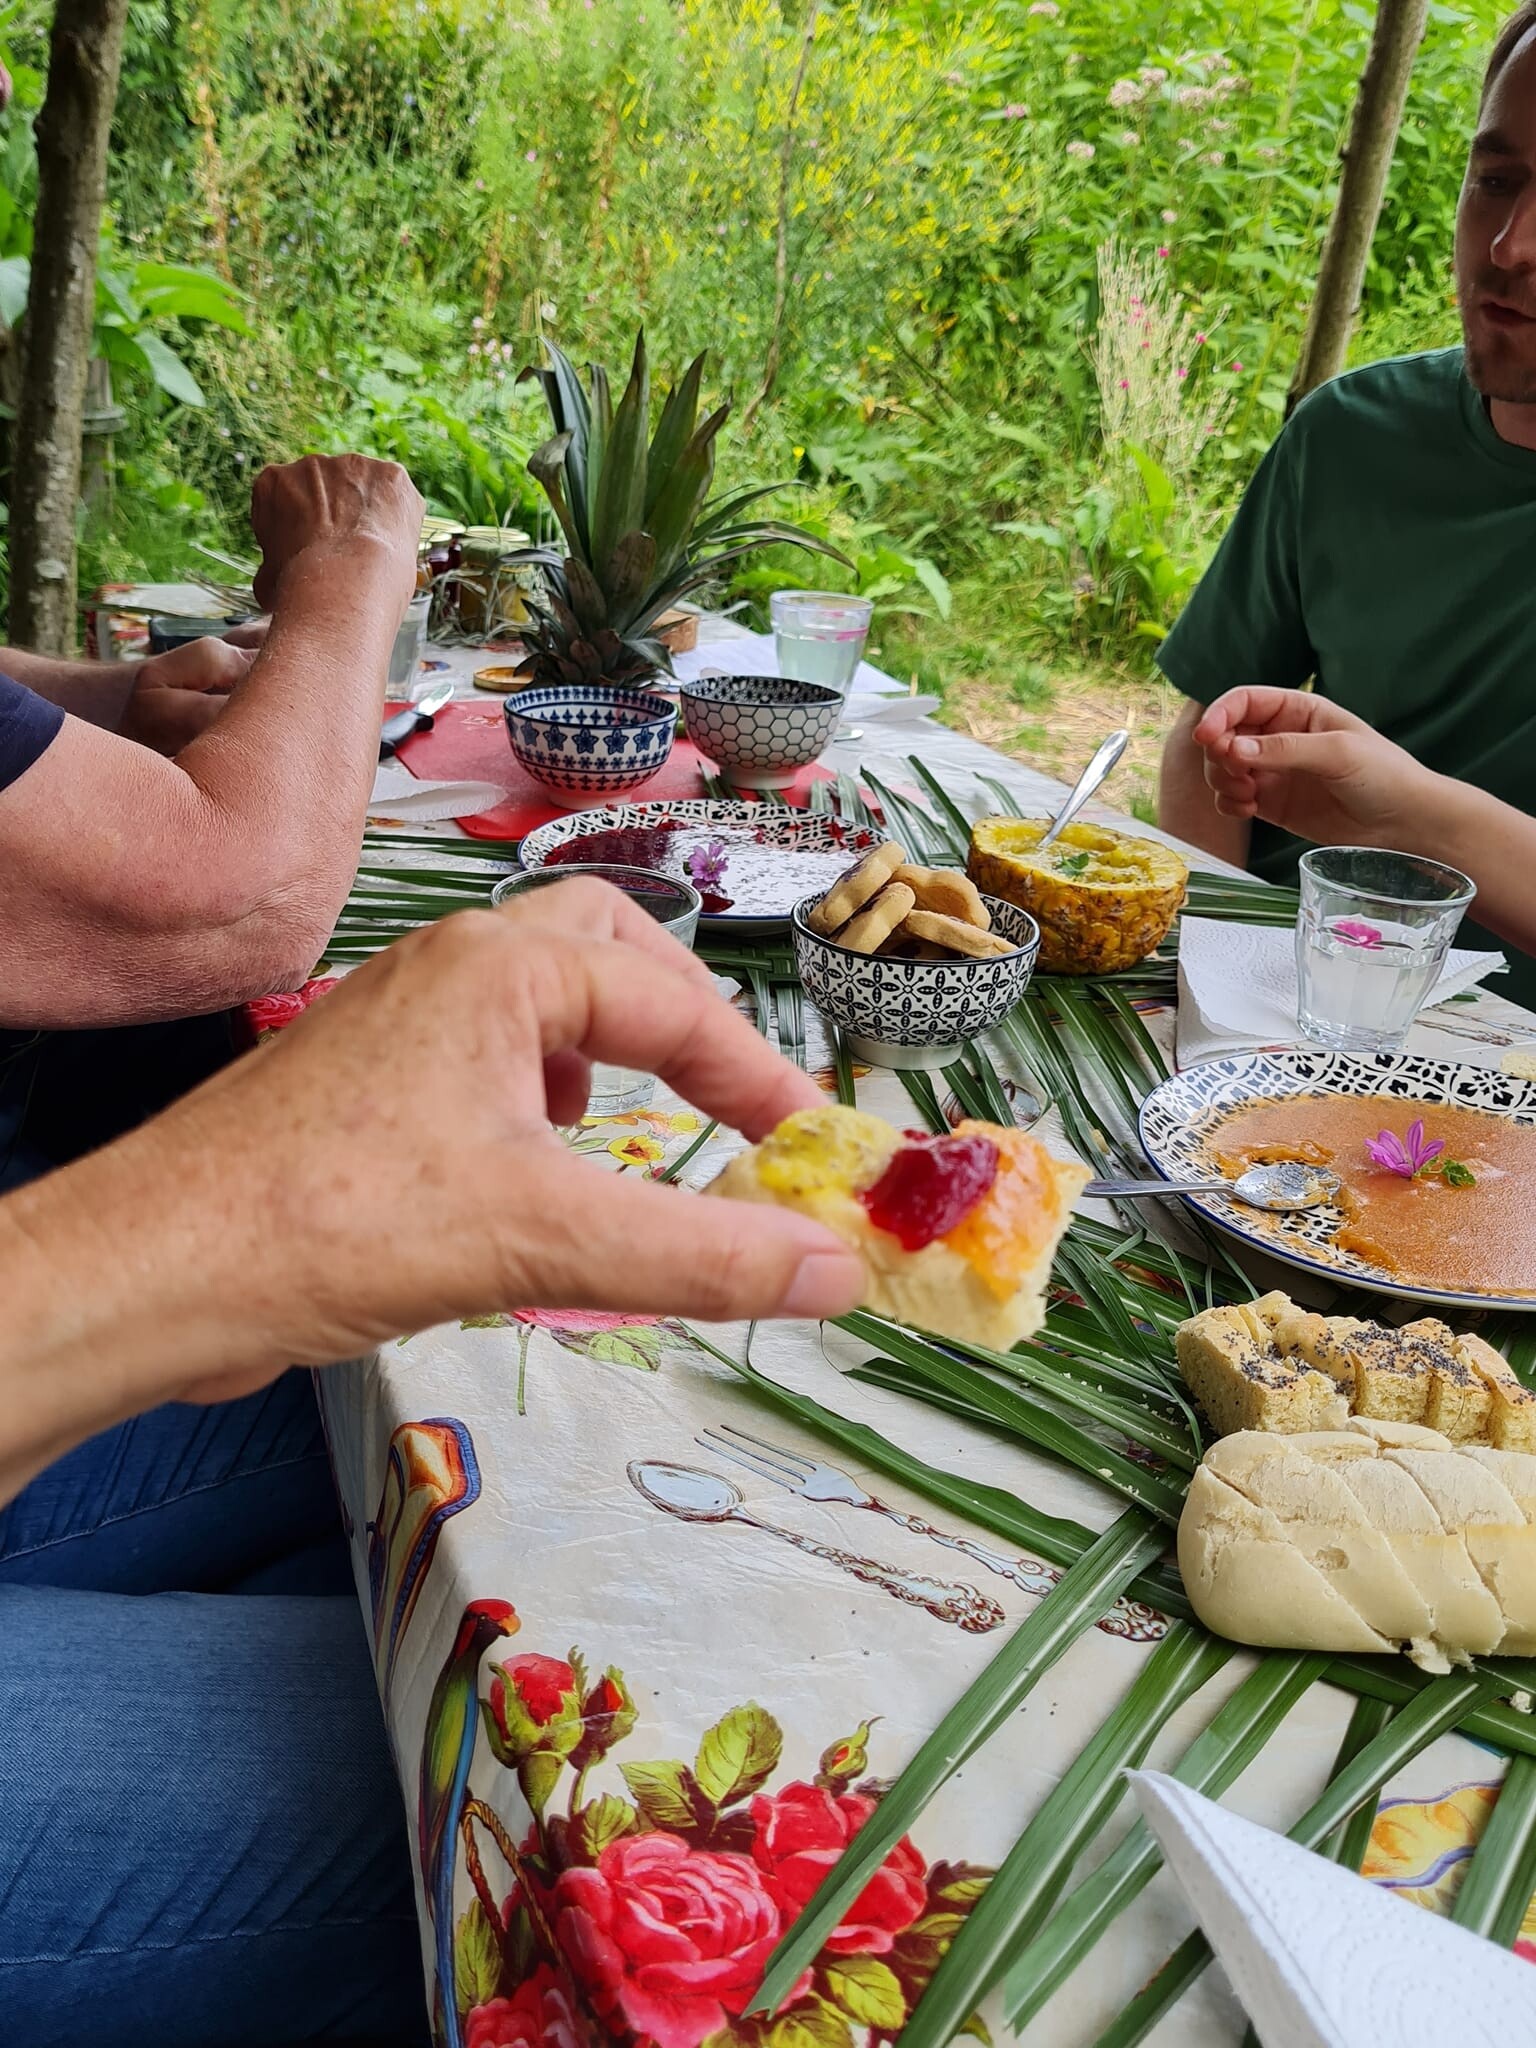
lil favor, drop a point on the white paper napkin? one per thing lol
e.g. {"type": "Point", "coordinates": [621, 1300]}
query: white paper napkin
{"type": "Point", "coordinates": [397, 793]}
{"type": "Point", "coordinates": [1237, 986]}
{"type": "Point", "coordinates": [1319, 1957]}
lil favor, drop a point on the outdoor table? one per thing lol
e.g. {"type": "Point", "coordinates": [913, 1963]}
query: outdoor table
{"type": "Point", "coordinates": [684, 1719]}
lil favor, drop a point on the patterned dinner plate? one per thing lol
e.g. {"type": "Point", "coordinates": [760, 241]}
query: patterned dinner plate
{"type": "Point", "coordinates": [773, 855]}
{"type": "Point", "coordinates": [1178, 1117]}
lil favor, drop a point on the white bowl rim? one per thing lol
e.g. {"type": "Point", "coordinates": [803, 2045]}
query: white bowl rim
{"type": "Point", "coordinates": [601, 693]}
{"type": "Point", "coordinates": [1029, 950]}
{"type": "Point", "coordinates": [819, 697]}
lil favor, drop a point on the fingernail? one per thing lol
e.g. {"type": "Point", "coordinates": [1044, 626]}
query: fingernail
{"type": "Point", "coordinates": [1245, 748]}
{"type": "Point", "coordinates": [825, 1284]}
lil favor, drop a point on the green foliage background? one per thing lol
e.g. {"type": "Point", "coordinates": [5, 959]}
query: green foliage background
{"type": "Point", "coordinates": [410, 192]}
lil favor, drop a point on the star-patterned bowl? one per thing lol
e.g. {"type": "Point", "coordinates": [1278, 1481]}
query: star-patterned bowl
{"type": "Point", "coordinates": [589, 743]}
{"type": "Point", "coordinates": [762, 730]}
{"type": "Point", "coordinates": [914, 1013]}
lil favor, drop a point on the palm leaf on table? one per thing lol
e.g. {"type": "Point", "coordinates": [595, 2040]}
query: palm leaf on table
{"type": "Point", "coordinates": [1097, 1381]}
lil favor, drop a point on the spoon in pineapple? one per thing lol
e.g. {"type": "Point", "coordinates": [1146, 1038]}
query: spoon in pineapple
{"type": "Point", "coordinates": [1285, 1185]}
{"type": "Point", "coordinates": [1105, 759]}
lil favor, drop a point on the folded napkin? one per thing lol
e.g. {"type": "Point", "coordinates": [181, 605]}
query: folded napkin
{"type": "Point", "coordinates": [1237, 986]}
{"type": "Point", "coordinates": [397, 793]}
{"type": "Point", "coordinates": [1320, 1958]}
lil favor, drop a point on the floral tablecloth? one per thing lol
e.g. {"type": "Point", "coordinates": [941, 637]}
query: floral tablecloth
{"type": "Point", "coordinates": [631, 1742]}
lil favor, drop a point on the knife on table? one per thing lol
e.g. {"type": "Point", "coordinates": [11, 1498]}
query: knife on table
{"type": "Point", "coordinates": [415, 718]}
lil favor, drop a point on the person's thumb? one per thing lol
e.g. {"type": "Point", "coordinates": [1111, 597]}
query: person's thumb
{"type": "Point", "coordinates": [654, 1250]}
{"type": "Point", "coordinates": [1331, 756]}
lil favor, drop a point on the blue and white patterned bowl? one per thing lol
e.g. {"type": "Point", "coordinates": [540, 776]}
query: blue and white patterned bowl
{"type": "Point", "coordinates": [588, 743]}
{"type": "Point", "coordinates": [914, 1013]}
{"type": "Point", "coordinates": [762, 730]}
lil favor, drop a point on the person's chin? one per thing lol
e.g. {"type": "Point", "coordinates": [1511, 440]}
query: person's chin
{"type": "Point", "coordinates": [1501, 361]}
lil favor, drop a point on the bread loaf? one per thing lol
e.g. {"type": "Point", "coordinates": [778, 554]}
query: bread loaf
{"type": "Point", "coordinates": [1270, 1365]}
{"type": "Point", "coordinates": [1380, 1536]}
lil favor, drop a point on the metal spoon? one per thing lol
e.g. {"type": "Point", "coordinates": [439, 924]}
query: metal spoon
{"type": "Point", "coordinates": [697, 1496]}
{"type": "Point", "coordinates": [1285, 1185]}
{"type": "Point", "coordinates": [1086, 784]}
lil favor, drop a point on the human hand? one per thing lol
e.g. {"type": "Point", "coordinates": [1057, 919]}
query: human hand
{"type": "Point", "coordinates": [250, 633]}
{"type": "Point", "coordinates": [391, 1161]}
{"type": "Point", "coordinates": [176, 696]}
{"type": "Point", "coordinates": [1310, 767]}
{"type": "Point", "coordinates": [335, 505]}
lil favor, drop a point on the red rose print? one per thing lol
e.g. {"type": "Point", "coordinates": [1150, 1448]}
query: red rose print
{"type": "Point", "coordinates": [672, 1939]}
{"type": "Point", "coordinates": [801, 1832]}
{"type": "Point", "coordinates": [541, 1683]}
{"type": "Point", "coordinates": [541, 2013]}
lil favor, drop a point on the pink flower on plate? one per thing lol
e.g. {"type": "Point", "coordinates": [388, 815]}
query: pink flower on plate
{"type": "Point", "coordinates": [1407, 1154]}
{"type": "Point", "coordinates": [1355, 933]}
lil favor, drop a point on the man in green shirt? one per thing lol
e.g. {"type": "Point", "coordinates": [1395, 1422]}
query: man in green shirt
{"type": "Point", "coordinates": [1386, 547]}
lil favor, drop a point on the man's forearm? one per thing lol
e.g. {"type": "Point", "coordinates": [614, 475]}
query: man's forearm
{"type": "Point", "coordinates": [97, 691]}
{"type": "Point", "coordinates": [298, 741]}
{"type": "Point", "coordinates": [1488, 840]}
{"type": "Point", "coordinates": [1185, 805]}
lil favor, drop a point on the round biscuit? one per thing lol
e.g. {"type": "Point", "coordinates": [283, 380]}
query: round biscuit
{"type": "Point", "coordinates": [957, 936]}
{"type": "Point", "coordinates": [878, 920]}
{"type": "Point", "coordinates": [850, 892]}
{"type": "Point", "coordinates": [948, 892]}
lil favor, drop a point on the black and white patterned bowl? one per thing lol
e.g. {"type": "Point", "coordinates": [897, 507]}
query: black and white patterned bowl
{"type": "Point", "coordinates": [1178, 1121]}
{"type": "Point", "coordinates": [588, 743]}
{"type": "Point", "coordinates": [762, 730]}
{"type": "Point", "coordinates": [914, 1013]}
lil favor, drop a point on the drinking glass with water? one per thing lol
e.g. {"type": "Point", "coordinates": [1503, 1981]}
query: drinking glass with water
{"type": "Point", "coordinates": [1372, 937]}
{"type": "Point", "coordinates": [674, 904]}
{"type": "Point", "coordinates": [819, 636]}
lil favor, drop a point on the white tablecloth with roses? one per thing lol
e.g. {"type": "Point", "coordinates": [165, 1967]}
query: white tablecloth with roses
{"type": "Point", "coordinates": [632, 1744]}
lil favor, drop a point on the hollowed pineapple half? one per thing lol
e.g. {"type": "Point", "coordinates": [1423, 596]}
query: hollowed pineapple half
{"type": "Point", "coordinates": [1102, 900]}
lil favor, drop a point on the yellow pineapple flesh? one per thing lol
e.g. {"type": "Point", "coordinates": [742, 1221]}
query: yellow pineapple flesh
{"type": "Point", "coordinates": [1102, 899]}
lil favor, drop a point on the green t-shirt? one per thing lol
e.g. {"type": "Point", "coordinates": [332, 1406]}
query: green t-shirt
{"type": "Point", "coordinates": [1386, 546]}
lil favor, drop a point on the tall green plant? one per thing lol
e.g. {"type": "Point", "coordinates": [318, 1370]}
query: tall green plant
{"type": "Point", "coordinates": [641, 532]}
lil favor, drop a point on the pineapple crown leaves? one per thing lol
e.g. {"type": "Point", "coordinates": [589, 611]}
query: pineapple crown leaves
{"type": "Point", "coordinates": [634, 508]}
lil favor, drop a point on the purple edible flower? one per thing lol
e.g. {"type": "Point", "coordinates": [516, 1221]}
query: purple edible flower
{"type": "Point", "coordinates": [1407, 1154]}
{"type": "Point", "coordinates": [706, 864]}
{"type": "Point", "coordinates": [1354, 933]}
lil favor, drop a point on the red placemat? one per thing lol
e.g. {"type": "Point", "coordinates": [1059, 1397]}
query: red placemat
{"type": "Point", "coordinates": [468, 743]}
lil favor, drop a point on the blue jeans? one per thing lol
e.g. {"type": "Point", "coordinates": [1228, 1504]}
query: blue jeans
{"type": "Point", "coordinates": [201, 1833]}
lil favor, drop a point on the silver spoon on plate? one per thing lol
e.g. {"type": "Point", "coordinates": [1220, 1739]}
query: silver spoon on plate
{"type": "Point", "coordinates": [1287, 1184]}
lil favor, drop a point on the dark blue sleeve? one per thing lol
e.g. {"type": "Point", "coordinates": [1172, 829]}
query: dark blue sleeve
{"type": "Point", "coordinates": [27, 727]}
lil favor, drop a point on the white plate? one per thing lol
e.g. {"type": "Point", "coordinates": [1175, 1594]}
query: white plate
{"type": "Point", "coordinates": [1178, 1116]}
{"type": "Point", "coordinates": [774, 855]}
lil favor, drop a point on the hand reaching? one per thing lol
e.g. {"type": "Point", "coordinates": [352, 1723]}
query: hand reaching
{"type": "Point", "coordinates": [1306, 765]}
{"type": "Point", "coordinates": [391, 1162]}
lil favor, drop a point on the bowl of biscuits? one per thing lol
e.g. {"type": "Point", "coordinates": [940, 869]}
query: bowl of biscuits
{"type": "Point", "coordinates": [909, 962]}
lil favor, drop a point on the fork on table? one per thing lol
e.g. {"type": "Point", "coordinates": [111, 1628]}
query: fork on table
{"type": "Point", "coordinates": [813, 1480]}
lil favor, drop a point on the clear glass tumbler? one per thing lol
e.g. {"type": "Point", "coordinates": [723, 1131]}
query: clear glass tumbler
{"type": "Point", "coordinates": [675, 905]}
{"type": "Point", "coordinates": [1371, 940]}
{"type": "Point", "coordinates": [410, 642]}
{"type": "Point", "coordinates": [819, 636]}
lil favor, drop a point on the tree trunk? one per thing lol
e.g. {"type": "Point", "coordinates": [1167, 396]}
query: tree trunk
{"type": "Point", "coordinates": [1367, 158]}
{"type": "Point", "coordinates": [84, 58]}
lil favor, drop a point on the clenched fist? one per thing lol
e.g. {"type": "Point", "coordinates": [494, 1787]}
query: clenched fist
{"type": "Point", "coordinates": [336, 507]}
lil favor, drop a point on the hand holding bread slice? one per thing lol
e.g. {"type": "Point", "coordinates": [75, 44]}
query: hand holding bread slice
{"type": "Point", "coordinates": [957, 1232]}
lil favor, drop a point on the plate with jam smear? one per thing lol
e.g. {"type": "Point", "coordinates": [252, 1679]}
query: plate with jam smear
{"type": "Point", "coordinates": [759, 859]}
{"type": "Point", "coordinates": [1437, 1165]}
